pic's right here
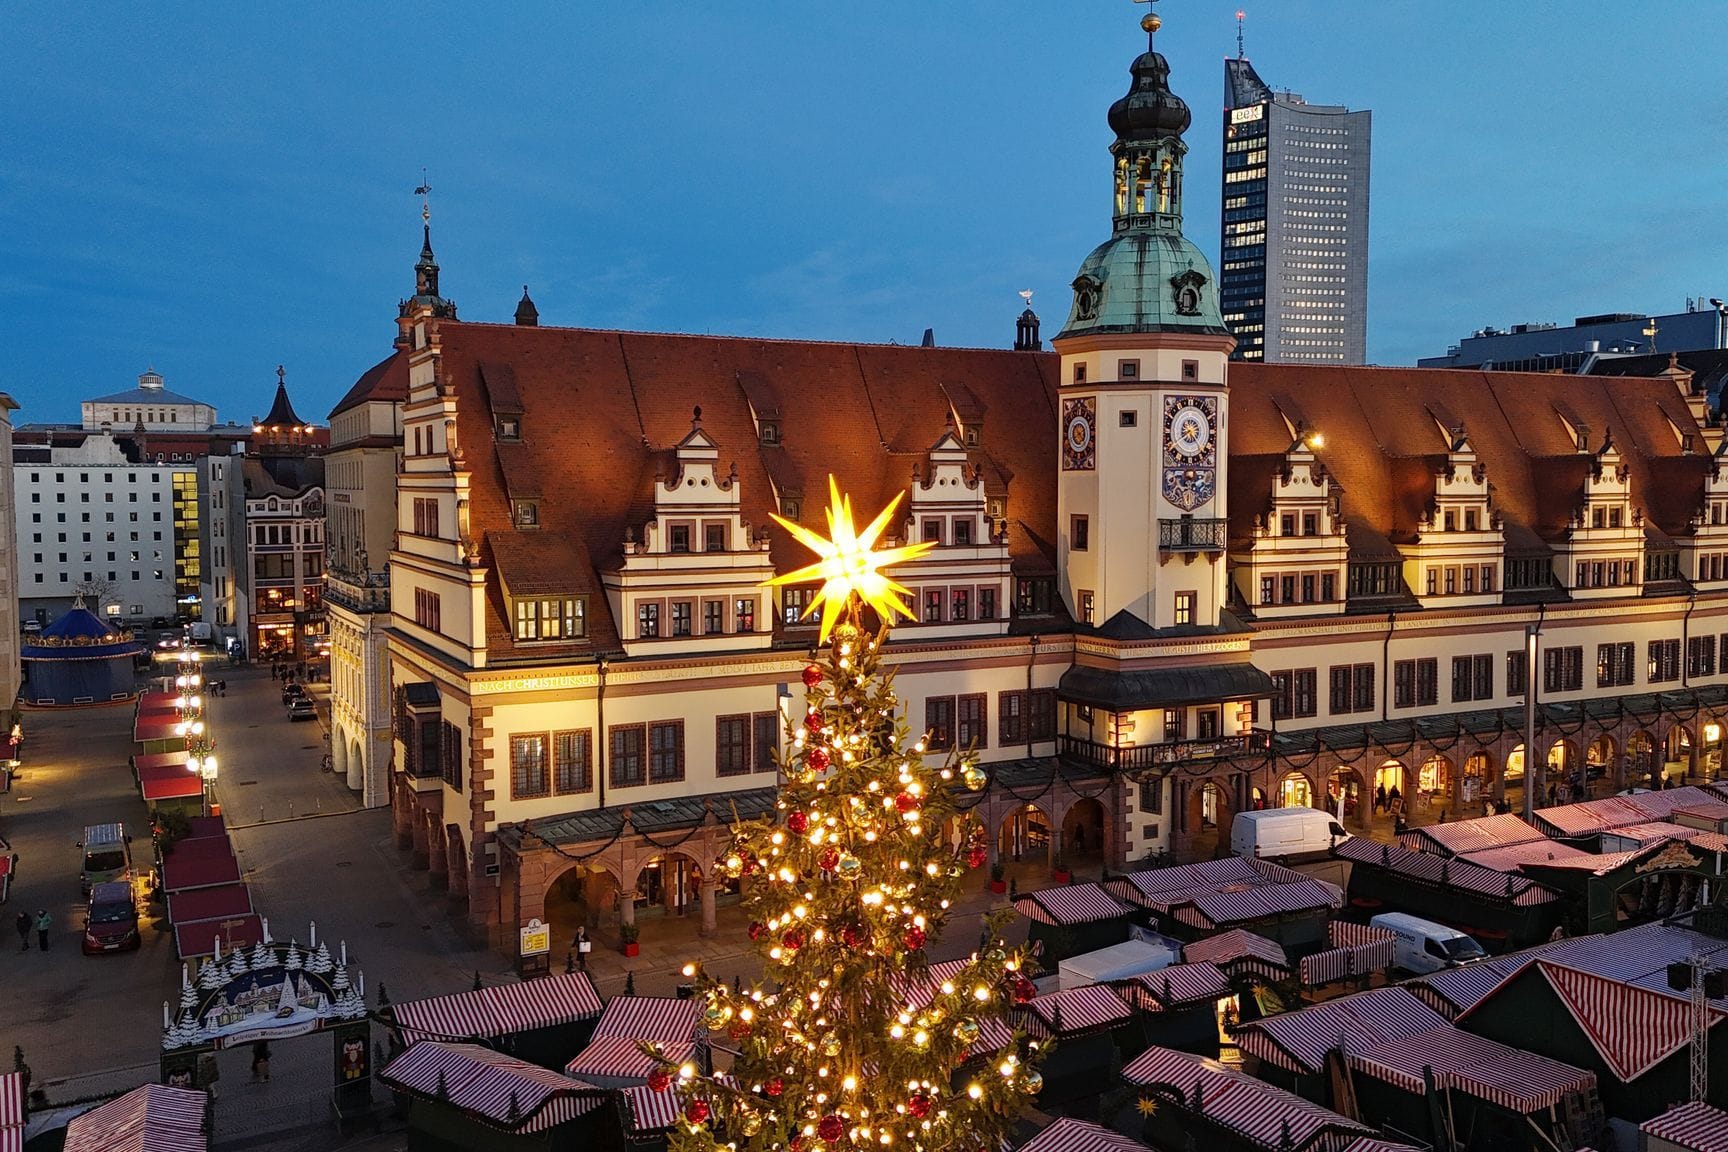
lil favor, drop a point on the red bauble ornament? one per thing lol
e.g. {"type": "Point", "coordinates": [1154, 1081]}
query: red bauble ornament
{"type": "Point", "coordinates": [697, 1111]}
{"type": "Point", "coordinates": [829, 859]}
{"type": "Point", "coordinates": [659, 1079]}
{"type": "Point", "coordinates": [831, 1128]}
{"type": "Point", "coordinates": [774, 1086]}
{"type": "Point", "coordinates": [813, 721]}
{"type": "Point", "coordinates": [797, 1144]}
{"type": "Point", "coordinates": [749, 865]}
{"type": "Point", "coordinates": [919, 1106]}
{"type": "Point", "coordinates": [975, 857]}
{"type": "Point", "coordinates": [1024, 990]}
{"type": "Point", "coordinates": [792, 940]}
{"type": "Point", "coordinates": [905, 802]}
{"type": "Point", "coordinates": [816, 759]}
{"type": "Point", "coordinates": [854, 937]}
{"type": "Point", "coordinates": [756, 929]}
{"type": "Point", "coordinates": [738, 1030]}
{"type": "Point", "coordinates": [812, 675]}
{"type": "Point", "coordinates": [797, 823]}
{"type": "Point", "coordinates": [914, 938]}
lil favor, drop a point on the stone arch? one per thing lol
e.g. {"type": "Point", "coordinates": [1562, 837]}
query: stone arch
{"type": "Point", "coordinates": [1084, 830]}
{"type": "Point", "coordinates": [1512, 776]}
{"type": "Point", "coordinates": [1710, 750]}
{"type": "Point", "coordinates": [1476, 781]}
{"type": "Point", "coordinates": [456, 863]}
{"type": "Point", "coordinates": [1346, 783]}
{"type": "Point", "coordinates": [1603, 768]}
{"type": "Point", "coordinates": [339, 751]}
{"type": "Point", "coordinates": [667, 882]}
{"type": "Point", "coordinates": [582, 894]}
{"type": "Point", "coordinates": [1393, 774]}
{"type": "Point", "coordinates": [1295, 790]}
{"type": "Point", "coordinates": [356, 764]}
{"type": "Point", "coordinates": [1436, 785]}
{"type": "Point", "coordinates": [1024, 832]}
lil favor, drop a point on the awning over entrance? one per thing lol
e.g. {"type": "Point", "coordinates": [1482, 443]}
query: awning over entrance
{"type": "Point", "coordinates": [1163, 687]}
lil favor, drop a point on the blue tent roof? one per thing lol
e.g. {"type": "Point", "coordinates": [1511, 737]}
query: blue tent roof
{"type": "Point", "coordinates": [80, 624]}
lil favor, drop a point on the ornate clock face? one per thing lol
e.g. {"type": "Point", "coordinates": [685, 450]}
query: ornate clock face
{"type": "Point", "coordinates": [1190, 431]}
{"type": "Point", "coordinates": [1079, 449]}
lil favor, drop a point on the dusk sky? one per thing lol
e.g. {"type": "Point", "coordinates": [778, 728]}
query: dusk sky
{"type": "Point", "coordinates": [214, 189]}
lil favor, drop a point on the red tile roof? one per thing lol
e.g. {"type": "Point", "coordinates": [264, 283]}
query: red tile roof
{"type": "Point", "coordinates": [601, 409]}
{"type": "Point", "coordinates": [385, 380]}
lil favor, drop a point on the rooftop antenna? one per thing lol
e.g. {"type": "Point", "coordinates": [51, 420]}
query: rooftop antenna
{"type": "Point", "coordinates": [1240, 17]}
{"type": "Point", "coordinates": [425, 194]}
{"type": "Point", "coordinates": [1150, 22]}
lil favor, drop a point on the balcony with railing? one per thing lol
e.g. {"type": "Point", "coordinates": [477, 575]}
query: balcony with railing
{"type": "Point", "coordinates": [1136, 756]}
{"type": "Point", "coordinates": [1191, 535]}
{"type": "Point", "coordinates": [358, 591]}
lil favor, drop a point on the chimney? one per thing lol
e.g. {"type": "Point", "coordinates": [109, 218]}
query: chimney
{"type": "Point", "coordinates": [929, 340]}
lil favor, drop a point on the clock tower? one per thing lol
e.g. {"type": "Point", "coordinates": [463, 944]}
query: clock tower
{"type": "Point", "coordinates": [1144, 407]}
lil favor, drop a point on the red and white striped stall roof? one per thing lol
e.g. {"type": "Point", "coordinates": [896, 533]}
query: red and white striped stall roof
{"type": "Point", "coordinates": [1076, 904]}
{"type": "Point", "coordinates": [649, 1111]}
{"type": "Point", "coordinates": [1464, 836]}
{"type": "Point", "coordinates": [1071, 1135]}
{"type": "Point", "coordinates": [1300, 1041]}
{"type": "Point", "coordinates": [153, 1118]}
{"type": "Point", "coordinates": [1239, 948]}
{"type": "Point", "coordinates": [1253, 1109]}
{"type": "Point", "coordinates": [1520, 891]}
{"type": "Point", "coordinates": [1633, 1029]}
{"type": "Point", "coordinates": [1233, 890]}
{"type": "Point", "coordinates": [660, 1018]}
{"type": "Point", "coordinates": [1357, 949]}
{"type": "Point", "coordinates": [1087, 1009]}
{"type": "Point", "coordinates": [1175, 987]}
{"type": "Point", "coordinates": [919, 988]}
{"type": "Point", "coordinates": [1474, 1065]}
{"type": "Point", "coordinates": [1619, 811]}
{"type": "Point", "coordinates": [490, 1086]}
{"type": "Point", "coordinates": [622, 1058]}
{"type": "Point", "coordinates": [1375, 1144]}
{"type": "Point", "coordinates": [1509, 857]}
{"type": "Point", "coordinates": [1454, 991]}
{"type": "Point", "coordinates": [11, 1112]}
{"type": "Point", "coordinates": [1695, 1126]}
{"type": "Point", "coordinates": [487, 1013]}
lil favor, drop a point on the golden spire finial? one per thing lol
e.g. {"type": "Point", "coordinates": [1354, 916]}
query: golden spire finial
{"type": "Point", "coordinates": [1149, 23]}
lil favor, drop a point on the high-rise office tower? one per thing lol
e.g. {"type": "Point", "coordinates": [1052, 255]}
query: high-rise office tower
{"type": "Point", "coordinates": [1294, 251]}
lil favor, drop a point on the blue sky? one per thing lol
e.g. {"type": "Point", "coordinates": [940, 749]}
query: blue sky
{"type": "Point", "coordinates": [214, 189]}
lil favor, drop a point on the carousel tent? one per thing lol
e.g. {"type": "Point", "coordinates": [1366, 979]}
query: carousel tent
{"type": "Point", "coordinates": [78, 660]}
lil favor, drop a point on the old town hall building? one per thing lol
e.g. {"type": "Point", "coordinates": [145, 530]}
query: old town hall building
{"type": "Point", "coordinates": [1168, 586]}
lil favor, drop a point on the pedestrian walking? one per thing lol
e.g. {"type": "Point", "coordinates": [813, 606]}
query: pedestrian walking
{"type": "Point", "coordinates": [23, 925]}
{"type": "Point", "coordinates": [43, 923]}
{"type": "Point", "coordinates": [260, 1061]}
{"type": "Point", "coordinates": [1393, 797]}
{"type": "Point", "coordinates": [1379, 798]}
{"type": "Point", "coordinates": [583, 947]}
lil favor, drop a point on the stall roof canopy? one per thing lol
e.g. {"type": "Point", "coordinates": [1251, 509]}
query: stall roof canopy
{"type": "Point", "coordinates": [1076, 1011]}
{"type": "Point", "coordinates": [1162, 687]}
{"type": "Point", "coordinates": [1301, 1041]}
{"type": "Point", "coordinates": [1233, 890]}
{"type": "Point", "coordinates": [1071, 1135]}
{"type": "Point", "coordinates": [1475, 1066]}
{"type": "Point", "coordinates": [1695, 1126]}
{"type": "Point", "coordinates": [1476, 835]}
{"type": "Point", "coordinates": [147, 1119]}
{"type": "Point", "coordinates": [209, 903]}
{"type": "Point", "coordinates": [199, 938]}
{"type": "Point", "coordinates": [488, 1013]}
{"type": "Point", "coordinates": [1263, 1116]}
{"type": "Point", "coordinates": [180, 871]}
{"type": "Point", "coordinates": [1075, 904]}
{"type": "Point", "coordinates": [1618, 811]}
{"type": "Point", "coordinates": [498, 1090]}
{"type": "Point", "coordinates": [1444, 872]}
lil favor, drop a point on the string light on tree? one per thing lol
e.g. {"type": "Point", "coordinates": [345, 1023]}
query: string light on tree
{"type": "Point", "coordinates": [853, 1043]}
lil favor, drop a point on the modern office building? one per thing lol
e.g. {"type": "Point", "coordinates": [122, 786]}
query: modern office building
{"type": "Point", "coordinates": [1293, 283]}
{"type": "Point", "coordinates": [1543, 347]}
{"type": "Point", "coordinates": [10, 622]}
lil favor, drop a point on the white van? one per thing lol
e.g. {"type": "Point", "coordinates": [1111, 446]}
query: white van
{"type": "Point", "coordinates": [1285, 833]}
{"type": "Point", "coordinates": [1424, 946]}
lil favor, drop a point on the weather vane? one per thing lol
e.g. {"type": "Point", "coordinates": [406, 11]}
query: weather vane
{"type": "Point", "coordinates": [1150, 22]}
{"type": "Point", "coordinates": [1026, 295]}
{"type": "Point", "coordinates": [425, 194]}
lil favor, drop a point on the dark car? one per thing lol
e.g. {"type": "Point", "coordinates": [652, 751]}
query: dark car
{"type": "Point", "coordinates": [111, 924]}
{"type": "Point", "coordinates": [300, 708]}
{"type": "Point", "coordinates": [292, 693]}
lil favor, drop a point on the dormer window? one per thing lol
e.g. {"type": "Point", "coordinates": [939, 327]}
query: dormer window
{"type": "Point", "coordinates": [527, 513]}
{"type": "Point", "coordinates": [552, 618]}
{"type": "Point", "coordinates": [791, 507]}
{"type": "Point", "coordinates": [770, 431]}
{"type": "Point", "coordinates": [508, 428]}
{"type": "Point", "coordinates": [970, 435]}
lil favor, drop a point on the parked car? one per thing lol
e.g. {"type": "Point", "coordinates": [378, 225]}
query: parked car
{"type": "Point", "coordinates": [293, 692]}
{"type": "Point", "coordinates": [111, 923]}
{"type": "Point", "coordinates": [300, 708]}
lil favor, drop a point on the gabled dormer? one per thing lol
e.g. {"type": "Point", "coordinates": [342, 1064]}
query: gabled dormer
{"type": "Point", "coordinates": [1295, 560]}
{"type": "Point", "coordinates": [1458, 556]}
{"type": "Point", "coordinates": [1602, 553]}
{"type": "Point", "coordinates": [691, 577]}
{"type": "Point", "coordinates": [961, 586]}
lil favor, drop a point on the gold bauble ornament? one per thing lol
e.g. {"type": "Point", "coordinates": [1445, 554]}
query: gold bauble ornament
{"type": "Point", "coordinates": [974, 777]}
{"type": "Point", "coordinates": [1031, 1082]}
{"type": "Point", "coordinates": [831, 1045]}
{"type": "Point", "coordinates": [966, 1031]}
{"type": "Point", "coordinates": [751, 1123]}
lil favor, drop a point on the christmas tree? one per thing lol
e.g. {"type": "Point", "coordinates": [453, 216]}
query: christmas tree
{"type": "Point", "coordinates": [854, 1040]}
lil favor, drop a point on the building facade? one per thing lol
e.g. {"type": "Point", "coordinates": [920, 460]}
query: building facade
{"type": "Point", "coordinates": [1570, 348]}
{"type": "Point", "coordinates": [1169, 585]}
{"type": "Point", "coordinates": [1294, 219]}
{"type": "Point", "coordinates": [97, 525]}
{"type": "Point", "coordinates": [360, 469]}
{"type": "Point", "coordinates": [11, 620]}
{"type": "Point", "coordinates": [283, 480]}
{"type": "Point", "coordinates": [150, 407]}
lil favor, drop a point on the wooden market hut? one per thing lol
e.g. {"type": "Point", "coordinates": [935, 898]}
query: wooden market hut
{"type": "Point", "coordinates": [1197, 900]}
{"type": "Point", "coordinates": [145, 1119]}
{"type": "Point", "coordinates": [1175, 1007]}
{"type": "Point", "coordinates": [1073, 920]}
{"type": "Point", "coordinates": [1503, 910]}
{"type": "Point", "coordinates": [1298, 1050]}
{"type": "Point", "coordinates": [1085, 1023]}
{"type": "Point", "coordinates": [465, 1096]}
{"type": "Point", "coordinates": [614, 1057]}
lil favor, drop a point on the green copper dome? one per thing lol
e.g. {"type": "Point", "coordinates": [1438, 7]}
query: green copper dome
{"type": "Point", "coordinates": [1145, 280]}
